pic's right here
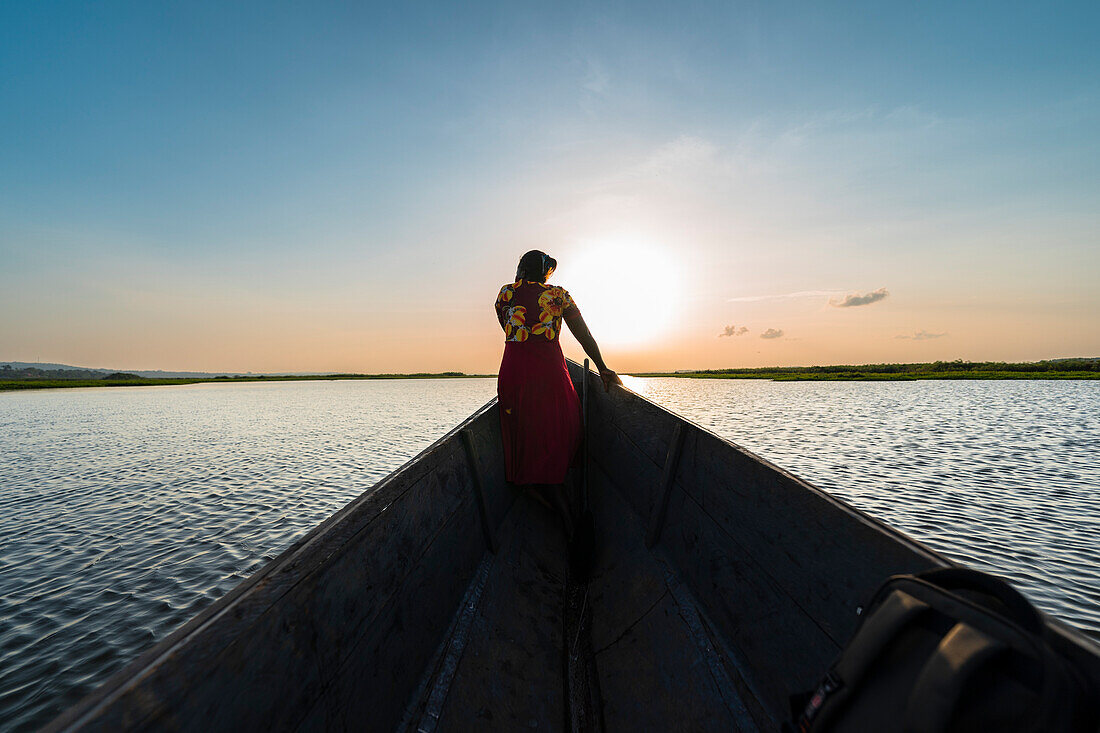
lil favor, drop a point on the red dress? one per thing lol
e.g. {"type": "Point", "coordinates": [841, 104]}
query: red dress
{"type": "Point", "coordinates": [540, 413]}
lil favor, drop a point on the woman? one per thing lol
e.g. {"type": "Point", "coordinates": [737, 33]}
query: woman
{"type": "Point", "coordinates": [540, 413]}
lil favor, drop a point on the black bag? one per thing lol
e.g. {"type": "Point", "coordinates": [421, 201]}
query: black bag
{"type": "Point", "coordinates": [947, 650]}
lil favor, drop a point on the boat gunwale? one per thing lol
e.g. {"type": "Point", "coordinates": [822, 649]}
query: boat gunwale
{"type": "Point", "coordinates": [147, 662]}
{"type": "Point", "coordinates": [376, 500]}
{"type": "Point", "coordinates": [1063, 629]}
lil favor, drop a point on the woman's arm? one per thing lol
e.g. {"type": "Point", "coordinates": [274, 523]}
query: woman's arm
{"type": "Point", "coordinates": [579, 329]}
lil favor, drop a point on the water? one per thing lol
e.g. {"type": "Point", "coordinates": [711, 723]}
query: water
{"type": "Point", "coordinates": [1000, 475]}
{"type": "Point", "coordinates": [123, 512]}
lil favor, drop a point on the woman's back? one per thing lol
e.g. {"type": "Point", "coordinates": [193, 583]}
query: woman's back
{"type": "Point", "coordinates": [528, 309]}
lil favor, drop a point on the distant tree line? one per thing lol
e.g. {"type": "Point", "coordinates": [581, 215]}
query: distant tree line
{"type": "Point", "coordinates": [1048, 365]}
{"type": "Point", "coordinates": [7, 372]}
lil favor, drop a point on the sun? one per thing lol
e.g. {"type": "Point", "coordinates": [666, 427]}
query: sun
{"type": "Point", "coordinates": [628, 290]}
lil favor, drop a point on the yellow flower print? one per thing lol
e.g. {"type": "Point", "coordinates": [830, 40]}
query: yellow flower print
{"type": "Point", "coordinates": [506, 294]}
{"type": "Point", "coordinates": [545, 327]}
{"type": "Point", "coordinates": [517, 315]}
{"type": "Point", "coordinates": [554, 300]}
{"type": "Point", "coordinates": [514, 328]}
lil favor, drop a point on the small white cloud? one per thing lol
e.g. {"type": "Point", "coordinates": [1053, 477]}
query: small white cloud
{"type": "Point", "coordinates": [772, 333]}
{"type": "Point", "coordinates": [922, 335]}
{"type": "Point", "coordinates": [853, 299]}
{"type": "Point", "coordinates": [733, 331]}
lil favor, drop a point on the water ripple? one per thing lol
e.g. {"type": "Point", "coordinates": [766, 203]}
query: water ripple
{"type": "Point", "coordinates": [998, 475]}
{"type": "Point", "coordinates": [125, 512]}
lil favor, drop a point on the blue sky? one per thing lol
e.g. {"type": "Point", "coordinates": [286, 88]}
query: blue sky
{"type": "Point", "coordinates": [343, 186]}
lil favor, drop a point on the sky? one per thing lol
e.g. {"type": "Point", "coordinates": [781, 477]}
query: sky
{"type": "Point", "coordinates": [344, 187]}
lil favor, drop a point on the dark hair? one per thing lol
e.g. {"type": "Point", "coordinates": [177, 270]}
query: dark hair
{"type": "Point", "coordinates": [535, 266]}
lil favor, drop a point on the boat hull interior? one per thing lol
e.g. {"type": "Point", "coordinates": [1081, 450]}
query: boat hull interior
{"type": "Point", "coordinates": [442, 599]}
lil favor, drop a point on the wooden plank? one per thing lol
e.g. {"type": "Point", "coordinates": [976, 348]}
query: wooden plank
{"type": "Point", "coordinates": [643, 423]}
{"type": "Point", "coordinates": [437, 694]}
{"type": "Point", "coordinates": [635, 478]}
{"type": "Point", "coordinates": [750, 597]}
{"type": "Point", "coordinates": [749, 607]}
{"type": "Point", "coordinates": [499, 496]}
{"type": "Point", "coordinates": [262, 655]}
{"type": "Point", "coordinates": [801, 536]}
{"type": "Point", "coordinates": [479, 492]}
{"type": "Point", "coordinates": [797, 533]}
{"type": "Point", "coordinates": [582, 683]}
{"type": "Point", "coordinates": [382, 666]}
{"type": "Point", "coordinates": [668, 476]}
{"type": "Point", "coordinates": [510, 676]}
{"type": "Point", "coordinates": [624, 582]}
{"type": "Point", "coordinates": [652, 671]}
{"type": "Point", "coordinates": [427, 702]}
{"type": "Point", "coordinates": [758, 619]}
{"type": "Point", "coordinates": [312, 634]}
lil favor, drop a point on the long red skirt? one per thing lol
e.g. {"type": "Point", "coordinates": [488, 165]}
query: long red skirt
{"type": "Point", "coordinates": [540, 413]}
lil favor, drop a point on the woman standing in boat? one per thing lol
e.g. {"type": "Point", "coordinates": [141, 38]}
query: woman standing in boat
{"type": "Point", "coordinates": [540, 413]}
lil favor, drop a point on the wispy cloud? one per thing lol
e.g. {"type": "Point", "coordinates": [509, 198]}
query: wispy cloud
{"type": "Point", "coordinates": [853, 299]}
{"type": "Point", "coordinates": [596, 79]}
{"type": "Point", "coordinates": [733, 331]}
{"type": "Point", "coordinates": [783, 296]}
{"type": "Point", "coordinates": [922, 335]}
{"type": "Point", "coordinates": [772, 333]}
{"type": "Point", "coordinates": [685, 151]}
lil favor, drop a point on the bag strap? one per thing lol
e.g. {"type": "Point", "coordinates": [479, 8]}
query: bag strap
{"type": "Point", "coordinates": [1012, 604]}
{"type": "Point", "coordinates": [896, 612]}
{"type": "Point", "coordinates": [960, 654]}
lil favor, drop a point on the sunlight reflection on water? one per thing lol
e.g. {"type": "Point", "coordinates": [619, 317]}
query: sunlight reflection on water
{"type": "Point", "coordinates": [638, 385]}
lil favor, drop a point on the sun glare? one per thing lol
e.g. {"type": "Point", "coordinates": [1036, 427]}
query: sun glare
{"type": "Point", "coordinates": [628, 291]}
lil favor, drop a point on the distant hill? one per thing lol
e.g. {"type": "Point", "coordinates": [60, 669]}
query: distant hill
{"type": "Point", "coordinates": [46, 370]}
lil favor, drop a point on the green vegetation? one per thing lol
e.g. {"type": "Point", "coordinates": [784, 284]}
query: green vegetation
{"type": "Point", "coordinates": [958, 369]}
{"type": "Point", "coordinates": [1049, 369]}
{"type": "Point", "coordinates": [120, 379]}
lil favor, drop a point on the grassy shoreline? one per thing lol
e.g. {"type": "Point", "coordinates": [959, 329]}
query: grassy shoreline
{"type": "Point", "coordinates": [1059, 369]}
{"type": "Point", "coordinates": [1077, 368]}
{"type": "Point", "coordinates": [17, 384]}
{"type": "Point", "coordinates": [873, 376]}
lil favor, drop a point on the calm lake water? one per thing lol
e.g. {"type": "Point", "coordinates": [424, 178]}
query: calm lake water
{"type": "Point", "coordinates": [123, 512]}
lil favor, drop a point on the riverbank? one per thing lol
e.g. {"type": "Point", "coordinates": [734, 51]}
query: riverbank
{"type": "Point", "coordinates": [17, 384]}
{"type": "Point", "coordinates": [875, 377]}
{"type": "Point", "coordinates": [1048, 369]}
{"type": "Point", "coordinates": [1053, 369]}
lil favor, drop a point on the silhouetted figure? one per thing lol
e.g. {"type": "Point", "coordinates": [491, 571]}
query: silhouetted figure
{"type": "Point", "coordinates": [540, 412]}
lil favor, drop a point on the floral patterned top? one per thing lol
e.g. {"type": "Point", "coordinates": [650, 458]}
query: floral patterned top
{"type": "Point", "coordinates": [518, 303]}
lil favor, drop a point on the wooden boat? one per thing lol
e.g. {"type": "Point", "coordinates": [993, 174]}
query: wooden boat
{"type": "Point", "coordinates": [440, 599]}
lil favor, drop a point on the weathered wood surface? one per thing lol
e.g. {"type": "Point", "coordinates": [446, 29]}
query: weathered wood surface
{"type": "Point", "coordinates": [336, 631]}
{"type": "Point", "coordinates": [653, 673]}
{"type": "Point", "coordinates": [747, 592]}
{"type": "Point", "coordinates": [777, 566]}
{"type": "Point", "coordinates": [487, 526]}
{"type": "Point", "coordinates": [668, 478]}
{"type": "Point", "coordinates": [510, 675]}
